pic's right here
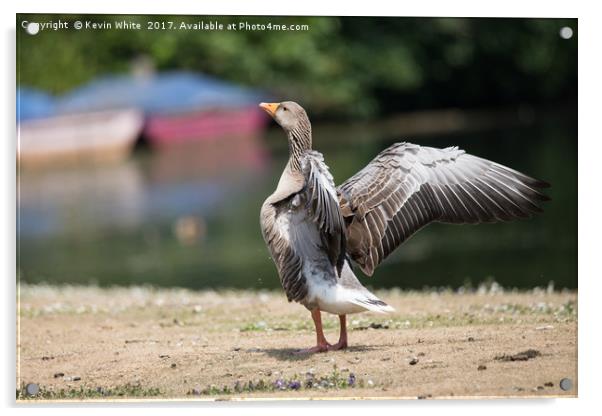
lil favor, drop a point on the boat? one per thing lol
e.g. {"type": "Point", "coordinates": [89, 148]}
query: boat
{"type": "Point", "coordinates": [168, 129]}
{"type": "Point", "coordinates": [101, 136]}
{"type": "Point", "coordinates": [179, 106]}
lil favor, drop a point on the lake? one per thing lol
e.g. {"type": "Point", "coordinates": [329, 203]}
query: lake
{"type": "Point", "coordinates": [189, 216]}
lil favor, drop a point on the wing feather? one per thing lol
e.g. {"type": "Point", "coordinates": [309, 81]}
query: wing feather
{"type": "Point", "coordinates": [324, 206]}
{"type": "Point", "coordinates": [289, 228]}
{"type": "Point", "coordinates": [408, 186]}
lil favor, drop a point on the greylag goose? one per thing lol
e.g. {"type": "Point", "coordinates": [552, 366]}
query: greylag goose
{"type": "Point", "coordinates": [314, 230]}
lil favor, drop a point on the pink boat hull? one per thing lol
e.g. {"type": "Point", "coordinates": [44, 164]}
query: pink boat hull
{"type": "Point", "coordinates": [162, 130]}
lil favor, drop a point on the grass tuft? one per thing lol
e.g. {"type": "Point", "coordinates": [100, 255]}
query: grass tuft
{"type": "Point", "coordinates": [127, 390]}
{"type": "Point", "coordinates": [309, 381]}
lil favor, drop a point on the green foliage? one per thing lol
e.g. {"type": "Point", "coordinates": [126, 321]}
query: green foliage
{"type": "Point", "coordinates": [351, 66]}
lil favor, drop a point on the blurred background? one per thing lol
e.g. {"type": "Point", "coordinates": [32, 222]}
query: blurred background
{"type": "Point", "coordinates": [143, 159]}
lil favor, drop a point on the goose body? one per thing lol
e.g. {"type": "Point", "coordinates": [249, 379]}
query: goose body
{"type": "Point", "coordinates": [295, 239]}
{"type": "Point", "coordinates": [314, 229]}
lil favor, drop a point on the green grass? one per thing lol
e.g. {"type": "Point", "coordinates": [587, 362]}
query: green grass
{"type": "Point", "coordinates": [334, 380]}
{"type": "Point", "coordinates": [479, 315]}
{"type": "Point", "coordinates": [124, 391]}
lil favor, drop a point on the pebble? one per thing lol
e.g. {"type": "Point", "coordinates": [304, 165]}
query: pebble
{"type": "Point", "coordinates": [57, 375]}
{"type": "Point", "coordinates": [545, 327]}
{"type": "Point", "coordinates": [173, 365]}
{"type": "Point", "coordinates": [482, 367]}
{"type": "Point", "coordinates": [549, 384]}
{"type": "Point", "coordinates": [414, 361]}
{"type": "Point", "coordinates": [470, 339]}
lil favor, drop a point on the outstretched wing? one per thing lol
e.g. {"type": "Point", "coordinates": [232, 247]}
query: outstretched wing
{"type": "Point", "coordinates": [408, 186]}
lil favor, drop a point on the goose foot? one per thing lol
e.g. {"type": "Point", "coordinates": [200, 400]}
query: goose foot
{"type": "Point", "coordinates": [313, 350]}
{"type": "Point", "coordinates": [341, 345]}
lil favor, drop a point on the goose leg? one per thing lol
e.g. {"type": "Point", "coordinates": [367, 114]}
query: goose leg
{"type": "Point", "coordinates": [322, 344]}
{"type": "Point", "coordinates": [342, 344]}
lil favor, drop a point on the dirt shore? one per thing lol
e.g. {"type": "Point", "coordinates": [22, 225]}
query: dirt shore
{"type": "Point", "coordinates": [141, 343]}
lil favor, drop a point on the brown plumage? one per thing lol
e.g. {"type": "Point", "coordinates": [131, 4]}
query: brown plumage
{"type": "Point", "coordinates": [408, 186]}
{"type": "Point", "coordinates": [312, 228]}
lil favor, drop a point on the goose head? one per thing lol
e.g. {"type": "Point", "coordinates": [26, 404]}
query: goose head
{"type": "Point", "coordinates": [288, 114]}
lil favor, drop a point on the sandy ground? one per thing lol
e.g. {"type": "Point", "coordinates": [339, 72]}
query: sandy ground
{"type": "Point", "coordinates": [96, 344]}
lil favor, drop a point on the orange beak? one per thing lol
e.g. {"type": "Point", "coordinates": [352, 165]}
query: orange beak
{"type": "Point", "coordinates": [270, 108]}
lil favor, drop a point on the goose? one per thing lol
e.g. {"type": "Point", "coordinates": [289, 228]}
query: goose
{"type": "Point", "coordinates": [314, 229]}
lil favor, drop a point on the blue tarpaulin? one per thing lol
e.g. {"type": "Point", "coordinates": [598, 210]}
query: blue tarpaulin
{"type": "Point", "coordinates": [168, 92]}
{"type": "Point", "coordinates": [32, 104]}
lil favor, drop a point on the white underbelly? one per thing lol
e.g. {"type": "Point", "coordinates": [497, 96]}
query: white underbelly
{"type": "Point", "coordinates": [329, 296]}
{"type": "Point", "coordinates": [339, 296]}
{"type": "Point", "coordinates": [339, 307]}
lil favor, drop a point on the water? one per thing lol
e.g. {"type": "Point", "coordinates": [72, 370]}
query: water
{"type": "Point", "coordinates": [189, 217]}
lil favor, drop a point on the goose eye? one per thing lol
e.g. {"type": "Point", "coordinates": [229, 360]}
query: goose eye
{"type": "Point", "coordinates": [283, 108]}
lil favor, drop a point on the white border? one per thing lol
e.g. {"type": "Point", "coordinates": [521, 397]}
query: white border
{"type": "Point", "coordinates": [590, 153]}
{"type": "Point", "coordinates": [467, 8]}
